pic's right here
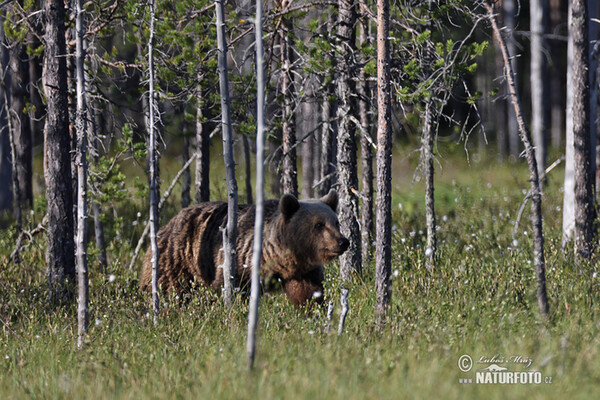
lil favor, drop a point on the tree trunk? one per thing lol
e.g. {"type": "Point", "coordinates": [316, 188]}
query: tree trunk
{"type": "Point", "coordinates": [153, 166]}
{"type": "Point", "coordinates": [540, 110]}
{"type": "Point", "coordinates": [328, 128]}
{"type": "Point", "coordinates": [594, 30]}
{"type": "Point", "coordinates": [21, 126]}
{"type": "Point", "coordinates": [558, 74]}
{"type": "Point", "coordinates": [203, 152]}
{"type": "Point", "coordinates": [289, 176]}
{"type": "Point", "coordinates": [81, 239]}
{"type": "Point", "coordinates": [306, 117]}
{"type": "Point", "coordinates": [366, 155]}
{"type": "Point", "coordinates": [383, 254]}
{"type": "Point", "coordinates": [230, 232]}
{"type": "Point", "coordinates": [510, 11]}
{"type": "Point", "coordinates": [6, 195]}
{"type": "Point", "coordinates": [260, 184]}
{"type": "Point", "coordinates": [536, 194]}
{"type": "Point", "coordinates": [57, 161]}
{"type": "Point", "coordinates": [585, 213]}
{"type": "Point", "coordinates": [346, 152]}
{"type": "Point", "coordinates": [428, 167]}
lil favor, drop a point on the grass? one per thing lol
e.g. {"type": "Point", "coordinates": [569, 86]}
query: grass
{"type": "Point", "coordinates": [480, 301]}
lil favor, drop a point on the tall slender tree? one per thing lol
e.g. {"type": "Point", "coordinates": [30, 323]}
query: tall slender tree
{"type": "Point", "coordinates": [202, 150]}
{"type": "Point", "coordinates": [23, 142]}
{"type": "Point", "coordinates": [540, 109]}
{"type": "Point", "coordinates": [57, 158]}
{"type": "Point", "coordinates": [289, 176]}
{"type": "Point", "coordinates": [81, 165]}
{"type": "Point", "coordinates": [230, 231]}
{"type": "Point", "coordinates": [366, 153]}
{"type": "Point", "coordinates": [536, 193]}
{"type": "Point", "coordinates": [578, 204]}
{"type": "Point", "coordinates": [260, 183]}
{"type": "Point", "coordinates": [6, 195]}
{"type": "Point", "coordinates": [328, 123]}
{"type": "Point", "coordinates": [383, 254]}
{"type": "Point", "coordinates": [153, 164]}
{"type": "Point", "coordinates": [510, 23]}
{"type": "Point", "coordinates": [346, 141]}
{"type": "Point", "coordinates": [584, 205]}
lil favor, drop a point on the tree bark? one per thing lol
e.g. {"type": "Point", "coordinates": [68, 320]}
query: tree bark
{"type": "Point", "coordinates": [536, 195]}
{"type": "Point", "coordinates": [328, 128]}
{"type": "Point", "coordinates": [347, 175]}
{"type": "Point", "coordinates": [558, 74]}
{"type": "Point", "coordinates": [260, 184]}
{"type": "Point", "coordinates": [427, 159]}
{"type": "Point", "coordinates": [289, 176]}
{"type": "Point", "coordinates": [203, 152]}
{"type": "Point", "coordinates": [366, 154]}
{"type": "Point", "coordinates": [383, 254]}
{"type": "Point", "coordinates": [153, 166]}
{"type": "Point", "coordinates": [585, 213]}
{"type": "Point", "coordinates": [230, 232]}
{"type": "Point", "coordinates": [81, 165]}
{"type": "Point", "coordinates": [307, 112]}
{"type": "Point", "coordinates": [6, 195]}
{"type": "Point", "coordinates": [21, 125]}
{"type": "Point", "coordinates": [510, 11]}
{"type": "Point", "coordinates": [540, 110]}
{"type": "Point", "coordinates": [57, 161]}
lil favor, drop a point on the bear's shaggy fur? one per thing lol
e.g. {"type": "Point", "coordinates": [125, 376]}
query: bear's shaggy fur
{"type": "Point", "coordinates": [299, 237]}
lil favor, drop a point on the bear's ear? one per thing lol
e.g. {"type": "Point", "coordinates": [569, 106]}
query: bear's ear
{"type": "Point", "coordinates": [331, 199]}
{"type": "Point", "coordinates": [288, 205]}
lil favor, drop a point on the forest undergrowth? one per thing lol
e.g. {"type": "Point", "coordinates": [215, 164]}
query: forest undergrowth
{"type": "Point", "coordinates": [479, 301]}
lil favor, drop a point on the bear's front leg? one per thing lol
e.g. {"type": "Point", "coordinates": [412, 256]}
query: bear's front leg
{"type": "Point", "coordinates": [306, 287]}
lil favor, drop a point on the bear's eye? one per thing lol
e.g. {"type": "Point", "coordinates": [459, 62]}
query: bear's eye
{"type": "Point", "coordinates": [319, 225]}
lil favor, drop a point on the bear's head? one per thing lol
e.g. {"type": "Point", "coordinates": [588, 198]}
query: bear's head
{"type": "Point", "coordinates": [311, 230]}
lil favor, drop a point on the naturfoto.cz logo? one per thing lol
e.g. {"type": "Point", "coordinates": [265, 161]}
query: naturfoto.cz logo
{"type": "Point", "coordinates": [496, 374]}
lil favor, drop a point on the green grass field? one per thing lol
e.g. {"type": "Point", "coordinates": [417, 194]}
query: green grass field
{"type": "Point", "coordinates": [479, 302]}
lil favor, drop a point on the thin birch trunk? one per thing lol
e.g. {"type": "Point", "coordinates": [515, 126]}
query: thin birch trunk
{"type": "Point", "coordinates": [153, 161]}
{"type": "Point", "coordinates": [202, 151]}
{"type": "Point", "coordinates": [230, 232]}
{"type": "Point", "coordinates": [81, 165]}
{"type": "Point", "coordinates": [557, 79]}
{"type": "Point", "coordinates": [568, 223]}
{"type": "Point", "coordinates": [510, 11]}
{"type": "Point", "coordinates": [427, 159]}
{"type": "Point", "coordinates": [289, 176]}
{"type": "Point", "coordinates": [347, 175]}
{"type": "Point", "coordinates": [540, 110]}
{"type": "Point", "coordinates": [383, 255]}
{"type": "Point", "coordinates": [536, 195]}
{"type": "Point", "coordinates": [328, 128]}
{"type": "Point", "coordinates": [260, 184]}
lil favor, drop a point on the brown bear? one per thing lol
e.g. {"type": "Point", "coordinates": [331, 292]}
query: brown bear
{"type": "Point", "coordinates": [299, 237]}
